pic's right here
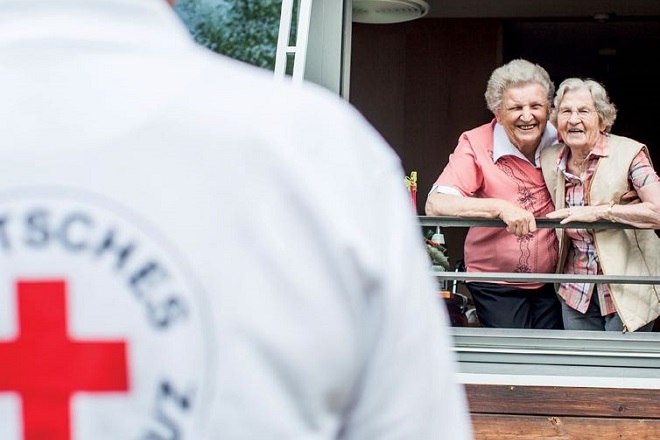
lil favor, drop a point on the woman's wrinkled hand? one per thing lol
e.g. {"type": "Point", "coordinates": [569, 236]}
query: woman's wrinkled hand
{"type": "Point", "coordinates": [518, 221]}
{"type": "Point", "coordinates": [585, 214]}
{"type": "Point", "coordinates": [630, 198]}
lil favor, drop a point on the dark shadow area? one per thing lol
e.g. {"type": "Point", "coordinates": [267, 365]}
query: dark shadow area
{"type": "Point", "coordinates": [615, 52]}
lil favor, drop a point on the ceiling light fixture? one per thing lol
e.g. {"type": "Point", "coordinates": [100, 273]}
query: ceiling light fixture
{"type": "Point", "coordinates": [388, 11]}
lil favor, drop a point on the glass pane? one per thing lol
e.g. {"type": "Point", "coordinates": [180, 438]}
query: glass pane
{"type": "Point", "coordinates": [294, 23]}
{"type": "Point", "coordinates": [290, 59]}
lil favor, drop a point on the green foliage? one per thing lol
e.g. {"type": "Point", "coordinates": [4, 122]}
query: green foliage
{"type": "Point", "coordinates": [246, 30]}
{"type": "Point", "coordinates": [438, 257]}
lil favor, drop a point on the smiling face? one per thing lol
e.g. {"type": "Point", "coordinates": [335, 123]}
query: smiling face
{"type": "Point", "coordinates": [578, 123]}
{"type": "Point", "coordinates": [524, 115]}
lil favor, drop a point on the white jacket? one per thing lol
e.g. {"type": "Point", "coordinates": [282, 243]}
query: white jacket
{"type": "Point", "coordinates": [191, 251]}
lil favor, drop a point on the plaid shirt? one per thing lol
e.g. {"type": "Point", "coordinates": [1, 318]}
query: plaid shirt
{"type": "Point", "coordinates": [582, 258]}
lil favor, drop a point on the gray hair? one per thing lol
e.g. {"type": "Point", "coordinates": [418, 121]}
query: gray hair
{"type": "Point", "coordinates": [605, 109]}
{"type": "Point", "coordinates": [516, 73]}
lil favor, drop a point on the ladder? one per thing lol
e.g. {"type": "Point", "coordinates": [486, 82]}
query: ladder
{"type": "Point", "coordinates": [298, 51]}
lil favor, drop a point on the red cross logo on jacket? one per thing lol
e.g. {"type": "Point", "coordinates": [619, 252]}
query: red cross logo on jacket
{"type": "Point", "coordinates": [45, 366]}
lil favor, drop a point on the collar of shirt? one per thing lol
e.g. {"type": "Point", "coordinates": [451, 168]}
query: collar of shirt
{"type": "Point", "coordinates": [132, 23]}
{"type": "Point", "coordinates": [502, 146]}
{"type": "Point", "coordinates": [602, 149]}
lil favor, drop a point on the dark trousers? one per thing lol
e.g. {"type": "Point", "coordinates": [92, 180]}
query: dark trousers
{"type": "Point", "coordinates": [503, 306]}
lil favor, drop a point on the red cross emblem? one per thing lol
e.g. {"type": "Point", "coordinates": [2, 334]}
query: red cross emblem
{"type": "Point", "coordinates": [46, 367]}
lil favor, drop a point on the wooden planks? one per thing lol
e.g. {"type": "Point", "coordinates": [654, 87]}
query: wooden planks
{"type": "Point", "coordinates": [505, 427]}
{"type": "Point", "coordinates": [554, 412]}
{"type": "Point", "coordinates": [564, 401]}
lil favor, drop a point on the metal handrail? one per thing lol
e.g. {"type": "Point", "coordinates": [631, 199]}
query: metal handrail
{"type": "Point", "coordinates": [444, 221]}
{"type": "Point", "coordinates": [545, 278]}
{"type": "Point", "coordinates": [466, 222]}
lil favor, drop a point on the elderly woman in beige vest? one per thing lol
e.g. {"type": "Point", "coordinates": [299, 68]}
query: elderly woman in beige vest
{"type": "Point", "coordinates": [588, 174]}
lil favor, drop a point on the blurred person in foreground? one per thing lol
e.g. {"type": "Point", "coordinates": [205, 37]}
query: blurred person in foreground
{"type": "Point", "coordinates": [494, 172]}
{"type": "Point", "coordinates": [591, 175]}
{"type": "Point", "coordinates": [187, 249]}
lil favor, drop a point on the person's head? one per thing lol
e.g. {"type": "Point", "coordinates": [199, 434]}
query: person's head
{"type": "Point", "coordinates": [519, 94]}
{"type": "Point", "coordinates": [600, 100]}
{"type": "Point", "coordinates": [516, 73]}
{"type": "Point", "coordinates": [582, 110]}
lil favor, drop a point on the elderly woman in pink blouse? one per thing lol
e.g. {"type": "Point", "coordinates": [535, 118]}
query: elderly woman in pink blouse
{"type": "Point", "coordinates": [494, 172]}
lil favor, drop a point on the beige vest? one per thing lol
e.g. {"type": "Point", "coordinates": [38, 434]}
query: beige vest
{"type": "Point", "coordinates": [630, 252]}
